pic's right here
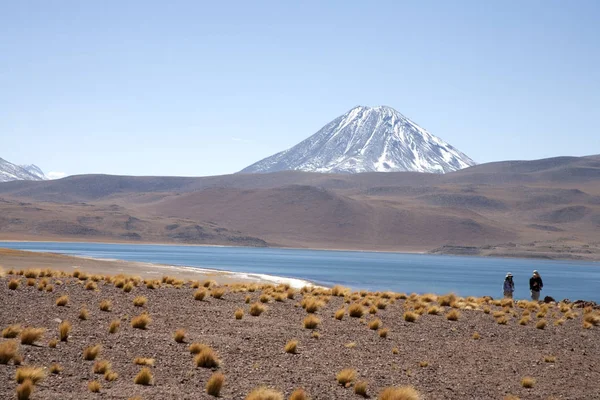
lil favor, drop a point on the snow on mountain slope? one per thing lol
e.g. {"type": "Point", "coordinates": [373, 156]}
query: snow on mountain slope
{"type": "Point", "coordinates": [367, 139]}
{"type": "Point", "coordinates": [12, 172]}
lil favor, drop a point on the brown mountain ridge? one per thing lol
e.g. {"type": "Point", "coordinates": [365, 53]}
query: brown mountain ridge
{"type": "Point", "coordinates": [548, 208]}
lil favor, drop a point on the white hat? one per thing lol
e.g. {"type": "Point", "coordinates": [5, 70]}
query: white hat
{"type": "Point", "coordinates": [508, 274]}
{"type": "Point", "coordinates": [535, 271]}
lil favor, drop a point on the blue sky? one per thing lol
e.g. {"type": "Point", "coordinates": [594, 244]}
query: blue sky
{"type": "Point", "coordinates": [203, 88]}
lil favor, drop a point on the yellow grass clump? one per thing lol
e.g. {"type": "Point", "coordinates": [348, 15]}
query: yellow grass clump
{"type": "Point", "coordinates": [264, 298]}
{"type": "Point", "coordinates": [196, 348]}
{"type": "Point", "coordinates": [541, 324]}
{"type": "Point", "coordinates": [128, 287]}
{"type": "Point", "coordinates": [110, 376]}
{"type": "Point", "coordinates": [338, 290]}
{"type": "Point", "coordinates": [114, 326]}
{"type": "Point", "coordinates": [298, 394]}
{"type": "Point", "coordinates": [549, 359]}
{"type": "Point", "coordinates": [62, 300]}
{"type": "Point", "coordinates": [360, 388]}
{"type": "Point", "coordinates": [524, 320]}
{"type": "Point", "coordinates": [399, 393]}
{"type": "Point", "coordinates": [410, 316]}
{"type": "Point", "coordinates": [215, 383]}
{"type": "Point", "coordinates": [291, 346]}
{"type": "Point", "coordinates": [207, 358]}
{"type": "Point", "coordinates": [91, 285]}
{"type": "Point", "coordinates": [143, 361]}
{"type": "Point", "coordinates": [144, 377]}
{"type": "Point", "coordinates": [24, 390]}
{"type": "Point", "coordinates": [339, 314]}
{"type": "Point", "coordinates": [311, 322]}
{"type": "Point", "coordinates": [31, 282]}
{"type": "Point", "coordinates": [140, 301]}
{"type": "Point", "coordinates": [141, 321]}
{"type": "Point", "coordinates": [264, 393]}
{"type": "Point", "coordinates": [34, 374]}
{"type": "Point", "coordinates": [11, 331]}
{"type": "Point", "coordinates": [8, 351]}
{"type": "Point", "coordinates": [395, 350]}
{"type": "Point", "coordinates": [383, 333]}
{"type": "Point", "coordinates": [101, 366]}
{"type": "Point", "coordinates": [90, 353]}
{"type": "Point", "coordinates": [355, 310]}
{"type": "Point", "coordinates": [63, 330]}
{"type": "Point", "coordinates": [453, 315]}
{"type": "Point", "coordinates": [502, 320]}
{"type": "Point", "coordinates": [256, 309]}
{"type": "Point", "coordinates": [13, 284]}
{"type": "Point", "coordinates": [346, 376]}
{"type": "Point", "coordinates": [434, 310]}
{"type": "Point", "coordinates": [84, 314]}
{"type": "Point", "coordinates": [31, 335]}
{"type": "Point", "coordinates": [105, 305]}
{"type": "Point", "coordinates": [375, 324]}
{"type": "Point", "coordinates": [217, 293]}
{"type": "Point", "coordinates": [446, 300]}
{"type": "Point", "coordinates": [179, 335]}
{"type": "Point", "coordinates": [476, 336]}
{"type": "Point", "coordinates": [199, 294]}
{"type": "Point", "coordinates": [592, 318]}
{"type": "Point", "coordinates": [239, 313]}
{"type": "Point", "coordinates": [55, 369]}
{"type": "Point", "coordinates": [528, 382]}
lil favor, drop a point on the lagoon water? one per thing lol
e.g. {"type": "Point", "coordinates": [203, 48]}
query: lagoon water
{"type": "Point", "coordinates": [476, 276]}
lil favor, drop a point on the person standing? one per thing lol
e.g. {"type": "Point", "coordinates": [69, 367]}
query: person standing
{"type": "Point", "coordinates": [509, 286]}
{"type": "Point", "coordinates": [535, 285]}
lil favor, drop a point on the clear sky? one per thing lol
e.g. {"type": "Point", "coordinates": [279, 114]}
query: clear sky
{"type": "Point", "coordinates": [203, 88]}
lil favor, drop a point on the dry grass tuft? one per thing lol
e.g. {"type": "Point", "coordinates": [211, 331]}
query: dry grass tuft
{"type": "Point", "coordinates": [264, 393]}
{"type": "Point", "coordinates": [128, 287]}
{"type": "Point", "coordinates": [144, 377]}
{"type": "Point", "coordinates": [360, 388]}
{"type": "Point", "coordinates": [291, 346]}
{"type": "Point", "coordinates": [143, 361]}
{"type": "Point", "coordinates": [196, 348]}
{"type": "Point", "coordinates": [34, 374]}
{"type": "Point", "coordinates": [350, 345]}
{"type": "Point", "coordinates": [298, 394]}
{"type": "Point", "coordinates": [312, 305]}
{"type": "Point", "coordinates": [502, 320]}
{"type": "Point", "coordinates": [8, 351]}
{"type": "Point", "coordinates": [248, 299]}
{"type": "Point", "coordinates": [114, 326]}
{"type": "Point", "coordinates": [63, 330]}
{"type": "Point", "coordinates": [383, 332]}
{"type": "Point", "coordinates": [541, 324]}
{"type": "Point", "coordinates": [315, 335]}
{"type": "Point", "coordinates": [106, 305]}
{"type": "Point", "coordinates": [217, 293]}
{"type": "Point", "coordinates": [140, 301]}
{"type": "Point", "coordinates": [11, 331]}
{"type": "Point", "coordinates": [101, 366]}
{"type": "Point", "coordinates": [207, 358]}
{"type": "Point", "coordinates": [549, 359]}
{"type": "Point", "coordinates": [434, 310]}
{"type": "Point", "coordinates": [90, 353]}
{"type": "Point", "coordinates": [53, 343]}
{"type": "Point", "coordinates": [399, 393]}
{"type": "Point", "coordinates": [395, 350]}
{"type": "Point", "coordinates": [55, 369]}
{"type": "Point", "coordinates": [587, 325]}
{"type": "Point", "coordinates": [592, 318]}
{"type": "Point", "coordinates": [239, 313]}
{"type": "Point", "coordinates": [179, 335]}
{"type": "Point", "coordinates": [110, 376]}
{"type": "Point", "coordinates": [524, 320]}
{"type": "Point", "coordinates": [339, 314]}
{"type": "Point", "coordinates": [528, 382]}
{"type": "Point", "coordinates": [215, 383]}
{"type": "Point", "coordinates": [199, 294]}
{"type": "Point", "coordinates": [24, 390]}
{"type": "Point", "coordinates": [346, 376]}
{"type": "Point", "coordinates": [355, 310]}
{"type": "Point", "coordinates": [84, 314]}
{"type": "Point", "coordinates": [311, 322]}
{"type": "Point", "coordinates": [62, 301]}
{"type": "Point", "coordinates": [453, 315]}
{"type": "Point", "coordinates": [31, 282]}
{"type": "Point", "coordinates": [423, 364]}
{"type": "Point", "coordinates": [264, 298]}
{"type": "Point", "coordinates": [91, 285]}
{"type": "Point", "coordinates": [13, 284]}
{"type": "Point", "coordinates": [338, 290]}
{"type": "Point", "coordinates": [476, 336]}
{"type": "Point", "coordinates": [141, 321]}
{"type": "Point", "coordinates": [446, 300]}
{"type": "Point", "coordinates": [375, 324]}
{"type": "Point", "coordinates": [256, 309]}
{"type": "Point", "coordinates": [410, 316]}
{"type": "Point", "coordinates": [31, 335]}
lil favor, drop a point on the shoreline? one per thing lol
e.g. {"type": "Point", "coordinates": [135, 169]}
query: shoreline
{"type": "Point", "coordinates": [23, 259]}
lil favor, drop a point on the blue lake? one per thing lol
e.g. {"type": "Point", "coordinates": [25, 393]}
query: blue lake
{"type": "Point", "coordinates": [359, 270]}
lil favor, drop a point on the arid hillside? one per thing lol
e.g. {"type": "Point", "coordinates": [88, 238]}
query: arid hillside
{"type": "Point", "coordinates": [547, 207]}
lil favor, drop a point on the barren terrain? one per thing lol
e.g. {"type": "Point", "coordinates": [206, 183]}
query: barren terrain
{"type": "Point", "coordinates": [484, 354]}
{"type": "Point", "coordinates": [543, 208]}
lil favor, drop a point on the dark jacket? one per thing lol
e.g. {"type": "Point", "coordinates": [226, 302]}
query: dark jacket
{"type": "Point", "coordinates": [535, 283]}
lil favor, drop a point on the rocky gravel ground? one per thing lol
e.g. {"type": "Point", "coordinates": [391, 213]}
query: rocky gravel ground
{"type": "Point", "coordinates": [438, 357]}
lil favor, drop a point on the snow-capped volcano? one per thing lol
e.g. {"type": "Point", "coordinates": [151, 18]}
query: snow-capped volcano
{"type": "Point", "coordinates": [13, 172]}
{"type": "Point", "coordinates": [367, 139]}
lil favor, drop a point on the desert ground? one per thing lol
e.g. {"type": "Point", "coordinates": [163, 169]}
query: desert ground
{"type": "Point", "coordinates": [421, 346]}
{"type": "Point", "coordinates": [545, 208]}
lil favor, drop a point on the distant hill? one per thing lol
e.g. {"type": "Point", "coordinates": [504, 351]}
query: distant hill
{"type": "Point", "coordinates": [545, 207]}
{"type": "Point", "coordinates": [367, 139]}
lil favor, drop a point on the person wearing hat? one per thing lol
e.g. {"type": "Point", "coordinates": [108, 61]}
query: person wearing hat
{"type": "Point", "coordinates": [509, 286]}
{"type": "Point", "coordinates": [535, 285]}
